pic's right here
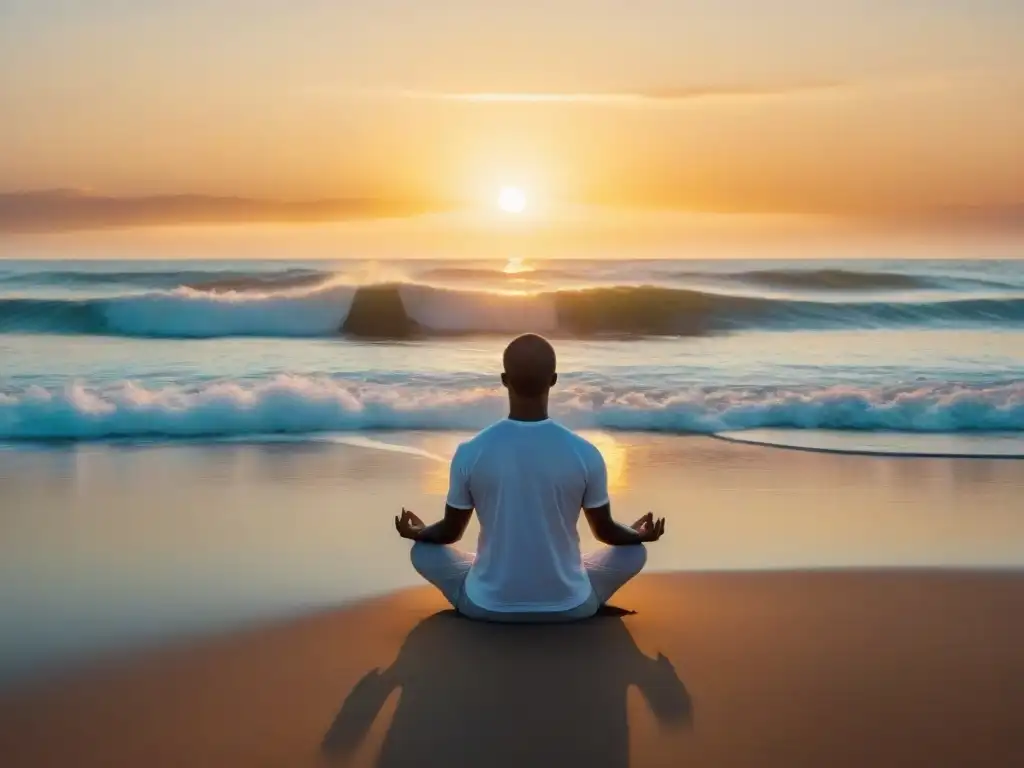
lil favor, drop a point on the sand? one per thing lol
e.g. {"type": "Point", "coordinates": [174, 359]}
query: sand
{"type": "Point", "coordinates": [107, 548]}
{"type": "Point", "coordinates": [797, 668]}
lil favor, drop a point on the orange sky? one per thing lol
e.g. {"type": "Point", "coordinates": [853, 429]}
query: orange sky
{"type": "Point", "coordinates": [853, 106]}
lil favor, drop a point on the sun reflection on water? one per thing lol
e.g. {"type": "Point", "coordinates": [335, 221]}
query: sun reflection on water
{"type": "Point", "coordinates": [516, 267]}
{"type": "Point", "coordinates": [616, 457]}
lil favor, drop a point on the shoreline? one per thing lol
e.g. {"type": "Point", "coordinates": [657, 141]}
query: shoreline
{"type": "Point", "coordinates": [736, 438]}
{"type": "Point", "coordinates": [113, 547]}
{"type": "Point", "coordinates": [340, 436]}
{"type": "Point", "coordinates": [780, 668]}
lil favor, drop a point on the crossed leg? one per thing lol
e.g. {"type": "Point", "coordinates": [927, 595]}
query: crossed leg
{"type": "Point", "coordinates": [443, 566]}
{"type": "Point", "coordinates": [611, 567]}
{"type": "Point", "coordinates": [608, 569]}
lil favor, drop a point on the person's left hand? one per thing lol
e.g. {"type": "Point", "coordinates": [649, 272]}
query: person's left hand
{"type": "Point", "coordinates": [408, 525]}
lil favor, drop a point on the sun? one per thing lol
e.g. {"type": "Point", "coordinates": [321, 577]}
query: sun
{"type": "Point", "coordinates": [512, 200]}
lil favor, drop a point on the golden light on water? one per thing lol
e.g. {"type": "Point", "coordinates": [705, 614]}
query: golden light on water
{"type": "Point", "coordinates": [436, 473]}
{"type": "Point", "coordinates": [516, 267]}
{"type": "Point", "coordinates": [615, 457]}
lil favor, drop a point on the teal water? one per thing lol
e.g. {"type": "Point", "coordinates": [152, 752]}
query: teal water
{"type": "Point", "coordinates": [101, 350]}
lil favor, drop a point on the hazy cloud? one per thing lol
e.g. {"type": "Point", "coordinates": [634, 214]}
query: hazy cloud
{"type": "Point", "coordinates": [983, 218]}
{"type": "Point", "coordinates": [642, 97]}
{"type": "Point", "coordinates": [64, 210]}
{"type": "Point", "coordinates": [70, 210]}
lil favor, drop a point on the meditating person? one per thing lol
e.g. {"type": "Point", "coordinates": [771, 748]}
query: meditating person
{"type": "Point", "coordinates": [527, 477]}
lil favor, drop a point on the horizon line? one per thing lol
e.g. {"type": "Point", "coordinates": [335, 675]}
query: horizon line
{"type": "Point", "coordinates": [69, 209]}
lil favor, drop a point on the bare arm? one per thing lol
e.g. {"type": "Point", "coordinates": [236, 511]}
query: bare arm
{"type": "Point", "coordinates": [598, 510]}
{"type": "Point", "coordinates": [458, 509]}
{"type": "Point", "coordinates": [607, 531]}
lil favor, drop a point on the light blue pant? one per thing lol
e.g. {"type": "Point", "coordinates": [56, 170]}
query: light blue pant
{"type": "Point", "coordinates": [447, 567]}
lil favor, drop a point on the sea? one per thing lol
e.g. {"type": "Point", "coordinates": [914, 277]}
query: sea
{"type": "Point", "coordinates": [857, 353]}
{"type": "Point", "coordinates": [187, 447]}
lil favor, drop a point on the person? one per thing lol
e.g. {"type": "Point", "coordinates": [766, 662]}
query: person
{"type": "Point", "coordinates": [527, 477]}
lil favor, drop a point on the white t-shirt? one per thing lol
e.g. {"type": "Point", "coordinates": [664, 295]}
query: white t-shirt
{"type": "Point", "coordinates": [528, 481]}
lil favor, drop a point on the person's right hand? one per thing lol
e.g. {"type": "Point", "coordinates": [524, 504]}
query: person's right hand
{"type": "Point", "coordinates": [649, 528]}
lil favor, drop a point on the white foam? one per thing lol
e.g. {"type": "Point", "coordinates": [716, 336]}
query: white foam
{"type": "Point", "coordinates": [286, 404]}
{"type": "Point", "coordinates": [303, 405]}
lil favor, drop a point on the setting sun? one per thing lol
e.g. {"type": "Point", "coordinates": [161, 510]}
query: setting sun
{"type": "Point", "coordinates": [512, 200]}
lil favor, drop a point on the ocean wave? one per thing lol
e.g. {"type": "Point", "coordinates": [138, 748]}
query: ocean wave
{"type": "Point", "coordinates": [276, 281]}
{"type": "Point", "coordinates": [302, 405]}
{"type": "Point", "coordinates": [833, 279]}
{"type": "Point", "coordinates": [413, 310]}
{"type": "Point", "coordinates": [167, 279]}
{"type": "Point", "coordinates": [804, 278]}
{"type": "Point", "coordinates": [189, 313]}
{"type": "Point", "coordinates": [846, 280]}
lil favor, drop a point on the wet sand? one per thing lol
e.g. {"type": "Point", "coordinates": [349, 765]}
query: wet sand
{"type": "Point", "coordinates": [840, 668]}
{"type": "Point", "coordinates": [193, 605]}
{"type": "Point", "coordinates": [106, 547]}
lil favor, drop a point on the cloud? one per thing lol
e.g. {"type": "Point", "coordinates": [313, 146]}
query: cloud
{"type": "Point", "coordinates": [644, 97]}
{"type": "Point", "coordinates": [65, 210]}
{"type": "Point", "coordinates": [1006, 218]}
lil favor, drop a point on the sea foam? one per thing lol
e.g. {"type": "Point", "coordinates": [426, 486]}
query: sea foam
{"type": "Point", "coordinates": [305, 405]}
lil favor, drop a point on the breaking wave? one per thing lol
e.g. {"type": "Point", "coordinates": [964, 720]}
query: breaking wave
{"type": "Point", "coordinates": [833, 279]}
{"type": "Point", "coordinates": [409, 310]}
{"type": "Point", "coordinates": [302, 405]}
{"type": "Point", "coordinates": [167, 279]}
{"type": "Point", "coordinates": [278, 276]}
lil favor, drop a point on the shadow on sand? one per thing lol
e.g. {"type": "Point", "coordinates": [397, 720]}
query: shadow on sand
{"type": "Point", "coordinates": [476, 694]}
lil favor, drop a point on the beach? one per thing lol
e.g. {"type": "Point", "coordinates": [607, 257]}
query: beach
{"type": "Point", "coordinates": [753, 669]}
{"type": "Point", "coordinates": [200, 464]}
{"type": "Point", "coordinates": [265, 275]}
{"type": "Point", "coordinates": [215, 604]}
{"type": "Point", "coordinates": [121, 545]}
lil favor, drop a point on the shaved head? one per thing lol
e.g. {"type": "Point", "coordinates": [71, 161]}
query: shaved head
{"type": "Point", "coordinates": [529, 366]}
